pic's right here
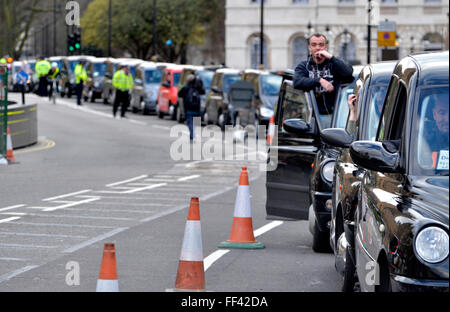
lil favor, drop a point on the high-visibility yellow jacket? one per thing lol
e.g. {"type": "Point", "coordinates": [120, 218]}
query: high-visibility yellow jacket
{"type": "Point", "coordinates": [80, 74]}
{"type": "Point", "coordinates": [122, 81]}
{"type": "Point", "coordinates": [42, 68]}
{"type": "Point", "coordinates": [54, 74]}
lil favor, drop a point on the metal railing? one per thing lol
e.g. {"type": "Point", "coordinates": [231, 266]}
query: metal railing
{"type": "Point", "coordinates": [3, 108]}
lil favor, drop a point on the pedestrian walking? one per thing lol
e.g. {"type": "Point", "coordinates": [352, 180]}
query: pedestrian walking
{"type": "Point", "coordinates": [123, 83]}
{"type": "Point", "coordinates": [191, 100]}
{"type": "Point", "coordinates": [53, 77]}
{"type": "Point", "coordinates": [22, 80]}
{"type": "Point", "coordinates": [42, 68]}
{"type": "Point", "coordinates": [323, 73]}
{"type": "Point", "coordinates": [80, 79]}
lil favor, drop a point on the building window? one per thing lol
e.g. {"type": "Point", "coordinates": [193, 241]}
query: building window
{"type": "Point", "coordinates": [432, 2]}
{"type": "Point", "coordinates": [300, 50]}
{"type": "Point", "coordinates": [255, 53]}
{"type": "Point", "coordinates": [300, 1]}
{"type": "Point", "coordinates": [346, 1]}
{"type": "Point", "coordinates": [257, 1]}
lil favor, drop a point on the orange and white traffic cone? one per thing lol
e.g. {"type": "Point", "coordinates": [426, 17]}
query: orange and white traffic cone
{"type": "Point", "coordinates": [242, 236]}
{"type": "Point", "coordinates": [107, 280]}
{"type": "Point", "coordinates": [9, 147]}
{"type": "Point", "coordinates": [271, 131]}
{"type": "Point", "coordinates": [191, 273]}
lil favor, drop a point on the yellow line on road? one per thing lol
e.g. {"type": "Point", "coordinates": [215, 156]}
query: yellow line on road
{"type": "Point", "coordinates": [43, 144]}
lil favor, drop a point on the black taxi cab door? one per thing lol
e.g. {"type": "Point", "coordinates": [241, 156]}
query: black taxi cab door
{"type": "Point", "coordinates": [287, 184]}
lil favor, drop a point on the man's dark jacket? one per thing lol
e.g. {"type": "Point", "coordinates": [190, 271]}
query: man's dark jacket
{"type": "Point", "coordinates": [183, 93]}
{"type": "Point", "coordinates": [307, 77]}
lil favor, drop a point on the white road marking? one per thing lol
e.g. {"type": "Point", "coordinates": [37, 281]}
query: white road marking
{"type": "Point", "coordinates": [95, 240]}
{"type": "Point", "coordinates": [66, 204]}
{"type": "Point", "coordinates": [161, 127]}
{"type": "Point", "coordinates": [208, 261]}
{"type": "Point", "coordinates": [189, 178]}
{"type": "Point", "coordinates": [12, 259]}
{"type": "Point", "coordinates": [9, 219]}
{"type": "Point", "coordinates": [12, 207]}
{"type": "Point", "coordinates": [267, 228]}
{"type": "Point", "coordinates": [64, 225]}
{"type": "Point", "coordinates": [66, 195]}
{"type": "Point", "coordinates": [14, 213]}
{"type": "Point", "coordinates": [26, 246]}
{"type": "Point", "coordinates": [126, 181]}
{"type": "Point", "coordinates": [8, 276]}
{"type": "Point", "coordinates": [42, 235]}
{"type": "Point", "coordinates": [79, 217]}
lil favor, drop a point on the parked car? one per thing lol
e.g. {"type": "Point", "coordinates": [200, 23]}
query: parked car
{"type": "Point", "coordinates": [96, 70]}
{"type": "Point", "coordinates": [402, 218]}
{"type": "Point", "coordinates": [146, 86]}
{"type": "Point", "coordinates": [205, 74]}
{"type": "Point", "coordinates": [216, 102]}
{"type": "Point", "coordinates": [371, 88]}
{"type": "Point", "coordinates": [70, 84]}
{"type": "Point", "coordinates": [267, 87]}
{"type": "Point", "coordinates": [300, 186]}
{"type": "Point", "coordinates": [168, 92]}
{"type": "Point", "coordinates": [63, 70]}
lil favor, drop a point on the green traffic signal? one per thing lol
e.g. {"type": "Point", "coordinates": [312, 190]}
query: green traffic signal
{"type": "Point", "coordinates": [71, 49]}
{"type": "Point", "coordinates": [77, 46]}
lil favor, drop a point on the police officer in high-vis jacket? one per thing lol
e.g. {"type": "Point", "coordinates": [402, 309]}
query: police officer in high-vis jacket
{"type": "Point", "coordinates": [123, 83]}
{"type": "Point", "coordinates": [80, 79]}
{"type": "Point", "coordinates": [42, 68]}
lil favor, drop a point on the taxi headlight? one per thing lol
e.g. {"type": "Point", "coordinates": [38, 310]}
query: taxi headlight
{"type": "Point", "coordinates": [327, 171]}
{"type": "Point", "coordinates": [266, 112]}
{"type": "Point", "coordinates": [432, 244]}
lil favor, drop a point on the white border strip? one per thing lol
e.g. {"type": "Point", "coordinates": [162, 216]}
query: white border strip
{"type": "Point", "coordinates": [66, 195]}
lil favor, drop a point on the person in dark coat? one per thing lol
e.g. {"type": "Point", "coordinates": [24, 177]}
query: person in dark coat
{"type": "Point", "coordinates": [191, 100]}
{"type": "Point", "coordinates": [323, 73]}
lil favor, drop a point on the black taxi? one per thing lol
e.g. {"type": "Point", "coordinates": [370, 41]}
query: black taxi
{"type": "Point", "coordinates": [402, 217]}
{"type": "Point", "coordinates": [370, 88]}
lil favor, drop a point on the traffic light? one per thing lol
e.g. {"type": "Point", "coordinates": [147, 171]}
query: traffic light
{"type": "Point", "coordinates": [77, 41]}
{"type": "Point", "coordinates": [71, 43]}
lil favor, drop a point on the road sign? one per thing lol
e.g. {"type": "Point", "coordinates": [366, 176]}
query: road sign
{"type": "Point", "coordinates": [387, 35]}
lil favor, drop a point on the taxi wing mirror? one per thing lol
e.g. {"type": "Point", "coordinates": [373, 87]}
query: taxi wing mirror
{"type": "Point", "coordinates": [376, 156]}
{"type": "Point", "coordinates": [336, 137]}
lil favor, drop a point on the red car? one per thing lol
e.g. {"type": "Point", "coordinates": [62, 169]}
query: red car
{"type": "Point", "coordinates": [168, 92]}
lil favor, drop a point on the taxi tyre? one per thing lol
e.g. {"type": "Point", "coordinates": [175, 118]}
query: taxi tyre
{"type": "Point", "coordinates": [91, 96]}
{"type": "Point", "coordinates": [159, 112]}
{"type": "Point", "coordinates": [173, 111]}
{"type": "Point", "coordinates": [321, 243]}
{"type": "Point", "coordinates": [349, 273]}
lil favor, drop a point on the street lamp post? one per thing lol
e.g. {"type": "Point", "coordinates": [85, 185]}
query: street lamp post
{"type": "Point", "coordinates": [154, 28]}
{"type": "Point", "coordinates": [109, 27]}
{"type": "Point", "coordinates": [261, 39]}
{"type": "Point", "coordinates": [369, 11]}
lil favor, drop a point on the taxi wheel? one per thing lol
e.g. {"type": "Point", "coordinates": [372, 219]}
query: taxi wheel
{"type": "Point", "coordinates": [321, 241]}
{"type": "Point", "coordinates": [349, 273]}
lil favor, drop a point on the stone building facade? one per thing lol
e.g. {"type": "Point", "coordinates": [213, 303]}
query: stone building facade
{"type": "Point", "coordinates": [420, 25]}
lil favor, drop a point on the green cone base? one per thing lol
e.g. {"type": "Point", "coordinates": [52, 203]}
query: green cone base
{"type": "Point", "coordinates": [236, 245]}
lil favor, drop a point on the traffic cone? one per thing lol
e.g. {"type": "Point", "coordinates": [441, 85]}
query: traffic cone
{"type": "Point", "coordinates": [271, 131]}
{"type": "Point", "coordinates": [107, 280]}
{"type": "Point", "coordinates": [242, 236]}
{"type": "Point", "coordinates": [191, 273]}
{"type": "Point", "coordinates": [9, 147]}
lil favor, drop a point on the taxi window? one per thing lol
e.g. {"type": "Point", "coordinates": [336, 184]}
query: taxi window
{"type": "Point", "coordinates": [377, 94]}
{"type": "Point", "coordinates": [295, 105]}
{"type": "Point", "coordinates": [430, 150]}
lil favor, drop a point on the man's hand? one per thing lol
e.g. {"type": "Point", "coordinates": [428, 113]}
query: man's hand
{"type": "Point", "coordinates": [326, 85]}
{"type": "Point", "coordinates": [352, 105]}
{"type": "Point", "coordinates": [323, 54]}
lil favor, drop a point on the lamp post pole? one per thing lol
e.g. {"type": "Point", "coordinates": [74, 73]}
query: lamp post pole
{"type": "Point", "coordinates": [109, 27]}
{"type": "Point", "coordinates": [369, 39]}
{"type": "Point", "coordinates": [154, 28]}
{"type": "Point", "coordinates": [261, 39]}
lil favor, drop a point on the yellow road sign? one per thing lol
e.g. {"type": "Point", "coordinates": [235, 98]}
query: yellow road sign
{"type": "Point", "coordinates": [386, 38]}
